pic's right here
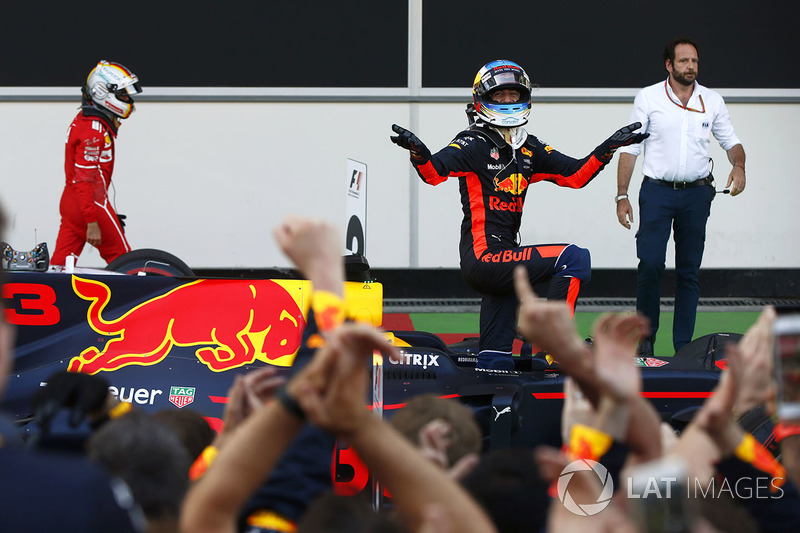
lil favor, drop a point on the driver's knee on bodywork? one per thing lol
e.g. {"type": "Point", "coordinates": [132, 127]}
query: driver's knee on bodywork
{"type": "Point", "coordinates": [573, 267]}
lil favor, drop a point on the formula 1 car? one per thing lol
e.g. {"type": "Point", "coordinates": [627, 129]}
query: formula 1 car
{"type": "Point", "coordinates": [168, 342]}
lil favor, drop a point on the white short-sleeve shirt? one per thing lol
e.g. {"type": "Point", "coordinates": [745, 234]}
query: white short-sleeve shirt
{"type": "Point", "coordinates": [677, 149]}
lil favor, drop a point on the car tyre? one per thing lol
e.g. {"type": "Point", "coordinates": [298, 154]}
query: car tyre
{"type": "Point", "coordinates": [150, 262]}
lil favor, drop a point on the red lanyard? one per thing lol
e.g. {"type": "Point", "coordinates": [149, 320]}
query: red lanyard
{"type": "Point", "coordinates": [700, 96]}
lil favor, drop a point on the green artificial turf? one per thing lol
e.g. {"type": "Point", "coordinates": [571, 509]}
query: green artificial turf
{"type": "Point", "coordinates": [707, 322]}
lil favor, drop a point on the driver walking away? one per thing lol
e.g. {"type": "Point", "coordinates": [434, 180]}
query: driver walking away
{"type": "Point", "coordinates": [86, 211]}
{"type": "Point", "coordinates": [495, 160]}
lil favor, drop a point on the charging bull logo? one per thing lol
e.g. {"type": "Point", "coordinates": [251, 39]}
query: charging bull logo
{"type": "Point", "coordinates": [513, 184]}
{"type": "Point", "coordinates": [232, 323]}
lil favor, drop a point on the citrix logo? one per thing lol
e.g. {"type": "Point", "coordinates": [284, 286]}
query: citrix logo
{"type": "Point", "coordinates": [417, 359]}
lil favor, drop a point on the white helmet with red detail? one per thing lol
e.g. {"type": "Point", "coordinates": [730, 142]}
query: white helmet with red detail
{"type": "Point", "coordinates": [111, 86]}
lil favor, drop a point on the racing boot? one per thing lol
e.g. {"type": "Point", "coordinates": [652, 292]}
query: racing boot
{"type": "Point", "coordinates": [494, 360]}
{"type": "Point", "coordinates": [646, 347]}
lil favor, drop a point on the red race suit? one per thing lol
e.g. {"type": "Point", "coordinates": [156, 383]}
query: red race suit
{"type": "Point", "coordinates": [88, 165]}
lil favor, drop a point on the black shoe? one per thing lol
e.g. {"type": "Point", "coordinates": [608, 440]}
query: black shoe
{"type": "Point", "coordinates": [492, 360]}
{"type": "Point", "coordinates": [646, 348]}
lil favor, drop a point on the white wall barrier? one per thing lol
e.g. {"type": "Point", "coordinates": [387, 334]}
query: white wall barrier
{"type": "Point", "coordinates": [207, 181]}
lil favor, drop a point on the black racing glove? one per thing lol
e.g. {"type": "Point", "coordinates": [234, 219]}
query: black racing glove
{"type": "Point", "coordinates": [405, 139]}
{"type": "Point", "coordinates": [622, 137]}
{"type": "Point", "coordinates": [81, 393]}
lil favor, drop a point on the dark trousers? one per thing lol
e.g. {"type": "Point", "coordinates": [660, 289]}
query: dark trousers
{"type": "Point", "coordinates": [498, 316]}
{"type": "Point", "coordinates": [685, 213]}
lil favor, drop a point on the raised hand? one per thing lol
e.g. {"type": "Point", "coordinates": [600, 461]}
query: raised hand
{"type": "Point", "coordinates": [622, 137]}
{"type": "Point", "coordinates": [259, 386]}
{"type": "Point", "coordinates": [434, 440]}
{"type": "Point", "coordinates": [332, 389]}
{"type": "Point", "coordinates": [314, 247]}
{"type": "Point", "coordinates": [756, 347]}
{"type": "Point", "coordinates": [715, 418]}
{"type": "Point", "coordinates": [576, 410]}
{"type": "Point", "coordinates": [616, 338]}
{"type": "Point", "coordinates": [245, 396]}
{"type": "Point", "coordinates": [548, 324]}
{"type": "Point", "coordinates": [405, 139]}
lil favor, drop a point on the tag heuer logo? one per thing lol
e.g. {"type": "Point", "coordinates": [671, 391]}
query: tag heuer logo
{"type": "Point", "coordinates": [181, 396]}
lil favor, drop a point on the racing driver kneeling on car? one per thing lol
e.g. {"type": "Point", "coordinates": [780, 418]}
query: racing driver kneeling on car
{"type": "Point", "coordinates": [495, 161]}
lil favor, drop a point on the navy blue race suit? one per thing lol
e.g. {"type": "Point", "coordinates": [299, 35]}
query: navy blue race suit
{"type": "Point", "coordinates": [493, 182]}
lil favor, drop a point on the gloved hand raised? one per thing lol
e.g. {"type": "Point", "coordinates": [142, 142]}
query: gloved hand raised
{"type": "Point", "coordinates": [622, 137]}
{"type": "Point", "coordinates": [405, 139]}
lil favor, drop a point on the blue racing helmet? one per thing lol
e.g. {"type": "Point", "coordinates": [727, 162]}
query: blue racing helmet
{"type": "Point", "coordinates": [502, 74]}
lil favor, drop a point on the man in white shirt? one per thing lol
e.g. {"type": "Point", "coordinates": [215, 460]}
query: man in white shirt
{"type": "Point", "coordinates": [676, 193]}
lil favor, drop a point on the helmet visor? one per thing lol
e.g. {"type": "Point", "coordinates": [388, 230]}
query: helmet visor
{"type": "Point", "coordinates": [131, 89]}
{"type": "Point", "coordinates": [125, 94]}
{"type": "Point", "coordinates": [505, 79]}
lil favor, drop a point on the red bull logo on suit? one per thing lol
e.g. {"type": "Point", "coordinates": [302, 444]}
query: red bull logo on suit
{"type": "Point", "coordinates": [513, 184]}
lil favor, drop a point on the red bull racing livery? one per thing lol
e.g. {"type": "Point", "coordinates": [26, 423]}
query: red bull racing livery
{"type": "Point", "coordinates": [177, 343]}
{"type": "Point", "coordinates": [159, 340]}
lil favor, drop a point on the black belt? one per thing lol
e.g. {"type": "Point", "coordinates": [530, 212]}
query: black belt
{"type": "Point", "coordinates": [680, 185]}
